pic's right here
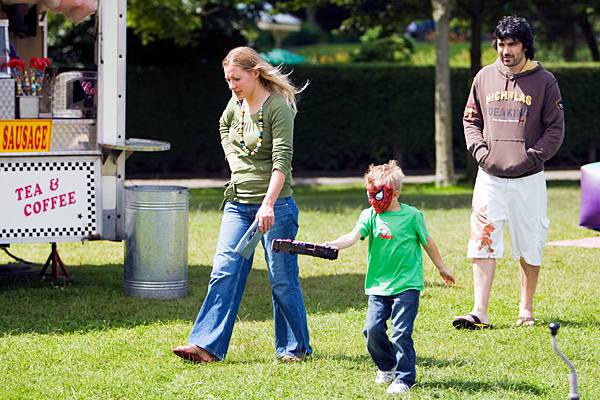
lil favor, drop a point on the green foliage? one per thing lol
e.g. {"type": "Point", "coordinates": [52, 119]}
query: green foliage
{"type": "Point", "coordinates": [150, 18]}
{"type": "Point", "coordinates": [308, 34]}
{"type": "Point", "coordinates": [87, 340]}
{"type": "Point", "coordinates": [349, 116]}
{"type": "Point", "coordinates": [375, 47]}
{"type": "Point", "coordinates": [71, 44]}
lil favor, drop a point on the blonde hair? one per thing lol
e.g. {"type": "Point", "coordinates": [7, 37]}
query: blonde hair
{"type": "Point", "coordinates": [272, 78]}
{"type": "Point", "coordinates": [385, 174]}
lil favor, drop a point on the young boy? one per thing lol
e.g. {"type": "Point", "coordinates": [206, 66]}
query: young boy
{"type": "Point", "coordinates": [394, 276]}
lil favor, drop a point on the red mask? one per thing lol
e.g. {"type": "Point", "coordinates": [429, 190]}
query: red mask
{"type": "Point", "coordinates": [380, 197]}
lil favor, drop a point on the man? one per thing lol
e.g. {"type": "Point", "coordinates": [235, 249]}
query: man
{"type": "Point", "coordinates": [513, 123]}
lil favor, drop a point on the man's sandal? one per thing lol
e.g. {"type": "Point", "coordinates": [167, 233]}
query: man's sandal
{"type": "Point", "coordinates": [463, 322]}
{"type": "Point", "coordinates": [525, 321]}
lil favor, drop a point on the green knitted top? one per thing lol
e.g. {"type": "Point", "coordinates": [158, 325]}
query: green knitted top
{"type": "Point", "coordinates": [251, 175]}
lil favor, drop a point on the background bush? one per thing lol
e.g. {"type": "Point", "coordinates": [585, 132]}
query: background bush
{"type": "Point", "coordinates": [349, 116]}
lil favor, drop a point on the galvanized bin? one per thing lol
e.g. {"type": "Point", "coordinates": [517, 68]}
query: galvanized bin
{"type": "Point", "coordinates": [156, 241]}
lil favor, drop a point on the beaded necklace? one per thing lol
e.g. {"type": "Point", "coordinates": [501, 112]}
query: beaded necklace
{"type": "Point", "coordinates": [245, 149]}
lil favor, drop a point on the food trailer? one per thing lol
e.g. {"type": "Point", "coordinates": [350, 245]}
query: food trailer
{"type": "Point", "coordinates": [63, 148]}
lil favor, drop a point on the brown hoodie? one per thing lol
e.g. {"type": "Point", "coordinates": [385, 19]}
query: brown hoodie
{"type": "Point", "coordinates": [513, 122]}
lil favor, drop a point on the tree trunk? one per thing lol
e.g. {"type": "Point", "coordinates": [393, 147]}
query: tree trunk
{"type": "Point", "coordinates": [475, 12]}
{"type": "Point", "coordinates": [570, 40]}
{"type": "Point", "coordinates": [444, 162]}
{"type": "Point", "coordinates": [588, 34]}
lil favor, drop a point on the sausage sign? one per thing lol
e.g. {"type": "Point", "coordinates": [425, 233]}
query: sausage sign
{"type": "Point", "coordinates": [44, 198]}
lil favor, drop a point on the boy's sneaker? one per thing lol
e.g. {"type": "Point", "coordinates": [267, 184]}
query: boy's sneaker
{"type": "Point", "coordinates": [397, 387]}
{"type": "Point", "coordinates": [384, 376]}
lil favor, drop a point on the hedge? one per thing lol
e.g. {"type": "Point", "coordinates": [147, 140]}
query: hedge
{"type": "Point", "coordinates": [349, 116]}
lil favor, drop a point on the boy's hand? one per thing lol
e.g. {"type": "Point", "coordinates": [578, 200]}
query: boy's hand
{"type": "Point", "coordinates": [446, 276]}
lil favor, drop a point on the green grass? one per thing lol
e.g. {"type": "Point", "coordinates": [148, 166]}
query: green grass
{"type": "Point", "coordinates": [87, 340]}
{"type": "Point", "coordinates": [424, 55]}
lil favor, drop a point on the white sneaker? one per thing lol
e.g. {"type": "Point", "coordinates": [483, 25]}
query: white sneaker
{"type": "Point", "coordinates": [397, 387]}
{"type": "Point", "coordinates": [385, 376]}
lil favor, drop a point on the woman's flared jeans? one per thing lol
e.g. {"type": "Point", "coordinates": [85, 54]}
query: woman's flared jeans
{"type": "Point", "coordinates": [214, 324]}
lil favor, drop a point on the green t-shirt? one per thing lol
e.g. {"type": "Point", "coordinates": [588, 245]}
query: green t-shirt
{"type": "Point", "coordinates": [395, 261]}
{"type": "Point", "coordinates": [251, 175]}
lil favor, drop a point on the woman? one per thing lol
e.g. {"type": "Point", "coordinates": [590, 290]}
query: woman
{"type": "Point", "coordinates": [257, 138]}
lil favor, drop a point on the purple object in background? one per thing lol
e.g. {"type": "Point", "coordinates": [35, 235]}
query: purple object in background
{"type": "Point", "coordinates": [589, 212]}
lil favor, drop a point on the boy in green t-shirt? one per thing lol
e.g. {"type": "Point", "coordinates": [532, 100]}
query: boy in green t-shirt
{"type": "Point", "coordinates": [394, 276]}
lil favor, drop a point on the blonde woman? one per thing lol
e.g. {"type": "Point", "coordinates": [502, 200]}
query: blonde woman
{"type": "Point", "coordinates": [257, 130]}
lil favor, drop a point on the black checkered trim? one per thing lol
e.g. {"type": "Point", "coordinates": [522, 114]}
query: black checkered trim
{"type": "Point", "coordinates": [88, 229]}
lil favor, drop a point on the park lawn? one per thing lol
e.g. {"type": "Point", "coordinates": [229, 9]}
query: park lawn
{"type": "Point", "coordinates": [87, 340]}
{"type": "Point", "coordinates": [424, 55]}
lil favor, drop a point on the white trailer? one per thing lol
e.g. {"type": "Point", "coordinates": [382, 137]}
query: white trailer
{"type": "Point", "coordinates": [62, 174]}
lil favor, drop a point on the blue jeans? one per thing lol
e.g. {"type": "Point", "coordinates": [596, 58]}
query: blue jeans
{"type": "Point", "coordinates": [214, 324]}
{"type": "Point", "coordinates": [396, 351]}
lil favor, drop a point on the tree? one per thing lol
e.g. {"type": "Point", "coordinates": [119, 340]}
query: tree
{"type": "Point", "coordinates": [444, 164]}
{"type": "Point", "coordinates": [181, 21]}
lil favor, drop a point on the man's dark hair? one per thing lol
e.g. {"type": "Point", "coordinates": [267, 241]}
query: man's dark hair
{"type": "Point", "coordinates": [516, 28]}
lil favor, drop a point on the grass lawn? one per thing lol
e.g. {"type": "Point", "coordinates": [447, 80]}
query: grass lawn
{"type": "Point", "coordinates": [87, 340]}
{"type": "Point", "coordinates": [424, 55]}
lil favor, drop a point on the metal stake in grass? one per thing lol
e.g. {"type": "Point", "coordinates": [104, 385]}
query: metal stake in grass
{"type": "Point", "coordinates": [574, 395]}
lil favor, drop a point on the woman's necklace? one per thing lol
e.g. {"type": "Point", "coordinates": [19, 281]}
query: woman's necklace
{"type": "Point", "coordinates": [245, 149]}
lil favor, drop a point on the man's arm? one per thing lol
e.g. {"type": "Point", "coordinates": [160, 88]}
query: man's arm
{"type": "Point", "coordinates": [473, 126]}
{"type": "Point", "coordinates": [554, 123]}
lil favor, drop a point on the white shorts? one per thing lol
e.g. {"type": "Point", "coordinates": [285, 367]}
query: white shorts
{"type": "Point", "coordinates": [522, 202]}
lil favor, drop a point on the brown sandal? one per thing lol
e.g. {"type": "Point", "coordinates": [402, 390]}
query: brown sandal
{"type": "Point", "coordinates": [525, 321]}
{"type": "Point", "coordinates": [194, 353]}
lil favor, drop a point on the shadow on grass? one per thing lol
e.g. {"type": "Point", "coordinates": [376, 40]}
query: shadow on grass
{"type": "Point", "coordinates": [483, 386]}
{"type": "Point", "coordinates": [568, 323]}
{"type": "Point", "coordinates": [427, 362]}
{"type": "Point", "coordinates": [94, 299]}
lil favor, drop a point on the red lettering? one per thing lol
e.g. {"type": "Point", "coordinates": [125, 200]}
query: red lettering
{"type": "Point", "coordinates": [5, 137]}
{"type": "Point", "coordinates": [25, 210]}
{"type": "Point", "coordinates": [11, 139]}
{"type": "Point", "coordinates": [38, 139]}
{"type": "Point", "coordinates": [44, 136]}
{"type": "Point", "coordinates": [45, 204]}
{"type": "Point", "coordinates": [30, 142]}
{"type": "Point", "coordinates": [24, 138]}
{"type": "Point", "coordinates": [53, 199]}
{"type": "Point", "coordinates": [37, 207]}
{"type": "Point", "coordinates": [63, 200]}
{"type": "Point", "coordinates": [19, 192]}
{"type": "Point", "coordinates": [18, 138]}
{"type": "Point", "coordinates": [38, 189]}
{"type": "Point", "coordinates": [71, 197]}
{"type": "Point", "coordinates": [28, 191]}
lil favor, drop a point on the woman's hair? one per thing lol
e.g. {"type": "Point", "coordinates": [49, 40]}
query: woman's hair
{"type": "Point", "coordinates": [516, 28]}
{"type": "Point", "coordinates": [385, 174]}
{"type": "Point", "coordinates": [272, 78]}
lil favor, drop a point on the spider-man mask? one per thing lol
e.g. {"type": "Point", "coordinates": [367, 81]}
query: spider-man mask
{"type": "Point", "coordinates": [380, 197]}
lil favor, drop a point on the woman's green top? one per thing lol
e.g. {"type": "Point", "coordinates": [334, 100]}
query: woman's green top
{"type": "Point", "coordinates": [251, 175]}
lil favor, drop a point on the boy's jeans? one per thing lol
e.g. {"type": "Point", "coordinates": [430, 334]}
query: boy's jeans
{"type": "Point", "coordinates": [397, 351]}
{"type": "Point", "coordinates": [214, 324]}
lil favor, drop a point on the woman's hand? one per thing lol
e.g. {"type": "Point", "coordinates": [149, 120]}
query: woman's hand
{"type": "Point", "coordinates": [266, 218]}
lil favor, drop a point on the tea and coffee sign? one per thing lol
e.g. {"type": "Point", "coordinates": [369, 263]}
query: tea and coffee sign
{"type": "Point", "coordinates": [47, 199]}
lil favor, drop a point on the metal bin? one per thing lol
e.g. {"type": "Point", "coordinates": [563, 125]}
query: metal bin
{"type": "Point", "coordinates": [156, 241]}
